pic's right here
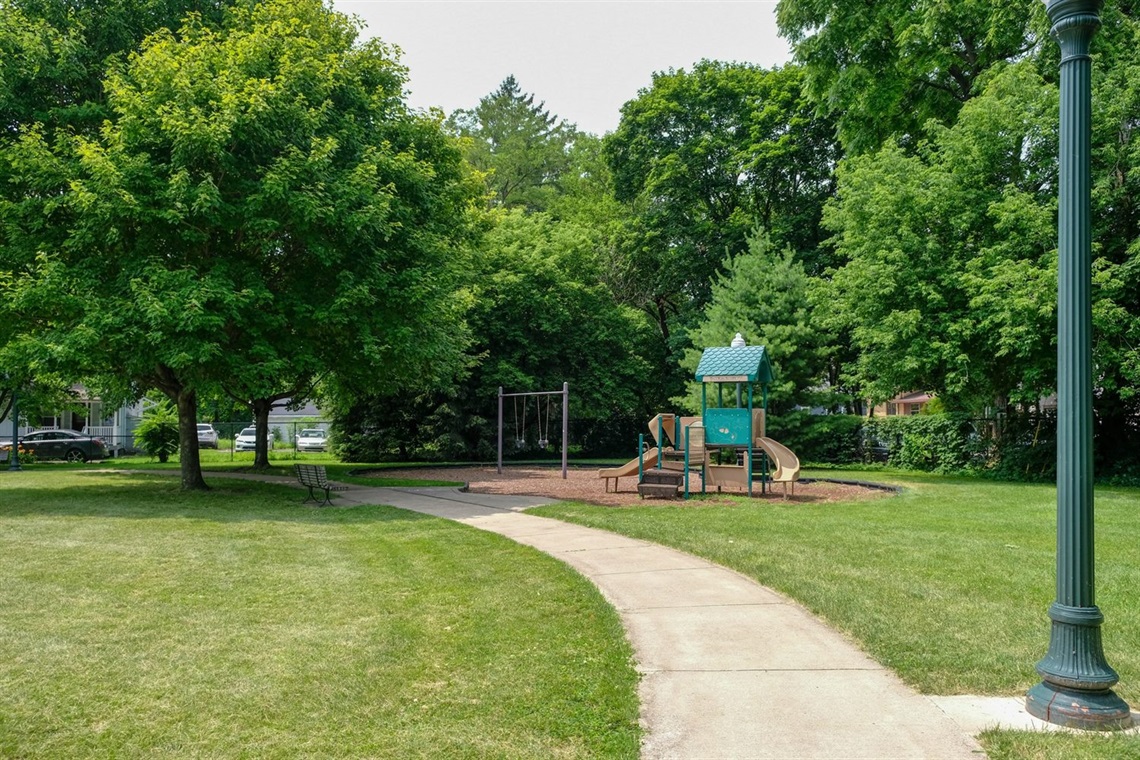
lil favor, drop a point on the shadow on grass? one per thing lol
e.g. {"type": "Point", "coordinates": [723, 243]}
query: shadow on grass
{"type": "Point", "coordinates": [159, 496]}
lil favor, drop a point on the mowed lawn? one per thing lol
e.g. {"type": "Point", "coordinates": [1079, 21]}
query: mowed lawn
{"type": "Point", "coordinates": [138, 621]}
{"type": "Point", "coordinates": [947, 583]}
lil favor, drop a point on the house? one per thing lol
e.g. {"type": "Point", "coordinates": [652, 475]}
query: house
{"type": "Point", "coordinates": [88, 415]}
{"type": "Point", "coordinates": [902, 405]}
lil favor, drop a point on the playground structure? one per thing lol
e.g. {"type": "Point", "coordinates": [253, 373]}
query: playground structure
{"type": "Point", "coordinates": [543, 431]}
{"type": "Point", "coordinates": [699, 444]}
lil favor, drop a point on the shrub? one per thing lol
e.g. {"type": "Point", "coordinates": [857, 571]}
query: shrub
{"type": "Point", "coordinates": [929, 442]}
{"type": "Point", "coordinates": [157, 433]}
{"type": "Point", "coordinates": [823, 438]}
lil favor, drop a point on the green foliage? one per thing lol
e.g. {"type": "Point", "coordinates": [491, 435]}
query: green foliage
{"type": "Point", "coordinates": [947, 443]}
{"type": "Point", "coordinates": [1024, 447]}
{"type": "Point", "coordinates": [260, 209]}
{"type": "Point", "coordinates": [539, 318]}
{"type": "Point", "coordinates": [950, 267]}
{"type": "Point", "coordinates": [521, 148]}
{"type": "Point", "coordinates": [763, 296]}
{"type": "Point", "coordinates": [157, 432]}
{"type": "Point", "coordinates": [819, 438]}
{"type": "Point", "coordinates": [889, 67]}
{"type": "Point", "coordinates": [701, 158]}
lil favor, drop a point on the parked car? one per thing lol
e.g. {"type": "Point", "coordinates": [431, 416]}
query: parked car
{"type": "Point", "coordinates": [63, 444]}
{"type": "Point", "coordinates": [207, 436]}
{"type": "Point", "coordinates": [312, 439]}
{"type": "Point", "coordinates": [246, 440]}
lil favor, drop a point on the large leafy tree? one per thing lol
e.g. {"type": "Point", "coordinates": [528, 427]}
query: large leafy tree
{"type": "Point", "coordinates": [540, 317]}
{"type": "Point", "coordinates": [53, 58]}
{"type": "Point", "coordinates": [520, 146]}
{"type": "Point", "coordinates": [260, 208]}
{"type": "Point", "coordinates": [886, 68]}
{"type": "Point", "coordinates": [949, 280]}
{"type": "Point", "coordinates": [702, 157]}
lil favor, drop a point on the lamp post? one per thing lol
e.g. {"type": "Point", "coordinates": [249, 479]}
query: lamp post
{"type": "Point", "coordinates": [1076, 687]}
{"type": "Point", "coordinates": [14, 453]}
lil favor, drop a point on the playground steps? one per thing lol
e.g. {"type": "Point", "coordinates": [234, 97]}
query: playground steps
{"type": "Point", "coordinates": [661, 484]}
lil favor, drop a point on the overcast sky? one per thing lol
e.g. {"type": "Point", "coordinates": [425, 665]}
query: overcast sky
{"type": "Point", "coordinates": [584, 58]}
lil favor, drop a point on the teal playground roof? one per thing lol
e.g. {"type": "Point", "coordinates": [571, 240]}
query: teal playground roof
{"type": "Point", "coordinates": [742, 364]}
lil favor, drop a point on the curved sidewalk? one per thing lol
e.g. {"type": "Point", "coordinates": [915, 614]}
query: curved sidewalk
{"type": "Point", "coordinates": [729, 668]}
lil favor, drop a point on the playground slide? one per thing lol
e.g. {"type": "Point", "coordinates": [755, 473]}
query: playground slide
{"type": "Point", "coordinates": [630, 468]}
{"type": "Point", "coordinates": [787, 463]}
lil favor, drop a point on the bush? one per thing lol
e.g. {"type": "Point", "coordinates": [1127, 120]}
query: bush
{"type": "Point", "coordinates": [932, 443]}
{"type": "Point", "coordinates": [822, 438]}
{"type": "Point", "coordinates": [157, 433]}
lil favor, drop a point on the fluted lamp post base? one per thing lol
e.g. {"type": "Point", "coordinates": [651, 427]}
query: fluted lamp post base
{"type": "Point", "coordinates": [1072, 708]}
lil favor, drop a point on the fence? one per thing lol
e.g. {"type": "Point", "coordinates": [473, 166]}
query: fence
{"type": "Point", "coordinates": [282, 438]}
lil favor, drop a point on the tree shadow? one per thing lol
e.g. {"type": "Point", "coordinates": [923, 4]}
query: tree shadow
{"type": "Point", "coordinates": [150, 496]}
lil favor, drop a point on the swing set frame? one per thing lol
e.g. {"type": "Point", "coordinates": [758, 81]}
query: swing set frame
{"type": "Point", "coordinates": [564, 393]}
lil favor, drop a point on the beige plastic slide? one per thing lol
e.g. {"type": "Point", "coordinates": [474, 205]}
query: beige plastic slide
{"type": "Point", "coordinates": [629, 469]}
{"type": "Point", "coordinates": [787, 463]}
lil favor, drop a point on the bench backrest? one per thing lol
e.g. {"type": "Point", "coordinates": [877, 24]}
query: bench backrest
{"type": "Point", "coordinates": [311, 474]}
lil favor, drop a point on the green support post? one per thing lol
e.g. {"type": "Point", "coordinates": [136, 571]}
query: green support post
{"type": "Point", "coordinates": [751, 441]}
{"type": "Point", "coordinates": [1077, 680]}
{"type": "Point", "coordinates": [640, 459]}
{"type": "Point", "coordinates": [686, 462]}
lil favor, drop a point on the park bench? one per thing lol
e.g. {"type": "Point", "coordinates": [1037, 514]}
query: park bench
{"type": "Point", "coordinates": [314, 476]}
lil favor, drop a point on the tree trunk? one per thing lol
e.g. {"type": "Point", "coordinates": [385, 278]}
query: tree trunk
{"type": "Point", "coordinates": [191, 463]}
{"type": "Point", "coordinates": [185, 399]}
{"type": "Point", "coordinates": [261, 409]}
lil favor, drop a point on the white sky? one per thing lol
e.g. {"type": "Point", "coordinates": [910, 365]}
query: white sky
{"type": "Point", "coordinates": [584, 58]}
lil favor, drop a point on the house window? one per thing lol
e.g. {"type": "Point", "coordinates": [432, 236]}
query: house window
{"type": "Point", "coordinates": [915, 408]}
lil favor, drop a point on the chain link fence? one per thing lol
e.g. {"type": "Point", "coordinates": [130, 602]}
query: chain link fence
{"type": "Point", "coordinates": [283, 440]}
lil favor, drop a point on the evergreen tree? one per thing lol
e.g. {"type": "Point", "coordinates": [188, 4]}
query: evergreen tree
{"type": "Point", "coordinates": [522, 147]}
{"type": "Point", "coordinates": [763, 295]}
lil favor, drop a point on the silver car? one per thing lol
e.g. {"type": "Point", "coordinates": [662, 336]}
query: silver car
{"type": "Point", "coordinates": [207, 436]}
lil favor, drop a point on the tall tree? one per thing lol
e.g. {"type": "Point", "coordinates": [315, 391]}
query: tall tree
{"type": "Point", "coordinates": [539, 317]}
{"type": "Point", "coordinates": [261, 208]}
{"type": "Point", "coordinates": [521, 147]}
{"type": "Point", "coordinates": [53, 58]}
{"type": "Point", "coordinates": [888, 67]}
{"type": "Point", "coordinates": [702, 157]}
{"type": "Point", "coordinates": [949, 280]}
{"type": "Point", "coordinates": [763, 295]}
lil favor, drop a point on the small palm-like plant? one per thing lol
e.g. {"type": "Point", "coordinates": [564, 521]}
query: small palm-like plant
{"type": "Point", "coordinates": [157, 433]}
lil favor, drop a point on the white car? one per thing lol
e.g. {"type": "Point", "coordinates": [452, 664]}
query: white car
{"type": "Point", "coordinates": [312, 439]}
{"type": "Point", "coordinates": [246, 440]}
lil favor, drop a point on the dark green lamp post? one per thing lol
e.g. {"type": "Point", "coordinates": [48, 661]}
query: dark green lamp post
{"type": "Point", "coordinates": [1076, 689]}
{"type": "Point", "coordinates": [14, 452]}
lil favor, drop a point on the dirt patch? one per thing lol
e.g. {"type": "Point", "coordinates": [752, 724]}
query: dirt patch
{"type": "Point", "coordinates": [585, 485]}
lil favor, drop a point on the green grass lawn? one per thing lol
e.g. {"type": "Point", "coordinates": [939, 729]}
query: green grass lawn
{"type": "Point", "coordinates": [139, 621]}
{"type": "Point", "coordinates": [214, 465]}
{"type": "Point", "coordinates": [947, 584]}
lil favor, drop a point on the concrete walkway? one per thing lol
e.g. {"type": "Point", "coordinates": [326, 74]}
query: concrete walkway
{"type": "Point", "coordinates": [730, 669]}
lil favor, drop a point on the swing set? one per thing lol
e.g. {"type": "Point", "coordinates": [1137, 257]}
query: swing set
{"type": "Point", "coordinates": [522, 400]}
